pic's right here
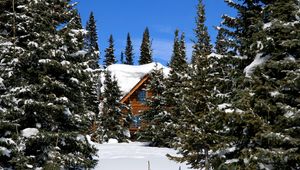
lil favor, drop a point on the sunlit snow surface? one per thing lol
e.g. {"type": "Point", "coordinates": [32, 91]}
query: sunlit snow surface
{"type": "Point", "coordinates": [135, 156]}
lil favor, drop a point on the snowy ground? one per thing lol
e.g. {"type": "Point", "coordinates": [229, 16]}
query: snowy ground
{"type": "Point", "coordinates": [135, 156]}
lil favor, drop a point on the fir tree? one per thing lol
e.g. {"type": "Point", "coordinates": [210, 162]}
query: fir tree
{"type": "Point", "coordinates": [146, 51]}
{"type": "Point", "coordinates": [43, 89]}
{"type": "Point", "coordinates": [198, 126]}
{"type": "Point", "coordinates": [112, 119]}
{"type": "Point", "coordinates": [156, 118]}
{"type": "Point", "coordinates": [243, 29]}
{"type": "Point", "coordinates": [270, 92]}
{"type": "Point", "coordinates": [222, 44]}
{"type": "Point", "coordinates": [122, 58]}
{"type": "Point", "coordinates": [202, 46]}
{"type": "Point", "coordinates": [91, 42]}
{"type": "Point", "coordinates": [263, 115]}
{"type": "Point", "coordinates": [174, 86]}
{"type": "Point", "coordinates": [183, 49]}
{"type": "Point", "coordinates": [109, 53]}
{"type": "Point", "coordinates": [129, 51]}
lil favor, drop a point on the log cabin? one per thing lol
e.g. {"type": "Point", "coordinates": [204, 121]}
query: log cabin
{"type": "Point", "coordinates": [133, 80]}
{"type": "Point", "coordinates": [136, 98]}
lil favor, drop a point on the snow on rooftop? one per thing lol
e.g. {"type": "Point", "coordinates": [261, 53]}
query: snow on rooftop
{"type": "Point", "coordinates": [129, 75]}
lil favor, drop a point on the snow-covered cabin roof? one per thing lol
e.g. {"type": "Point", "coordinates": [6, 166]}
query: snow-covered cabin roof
{"type": "Point", "coordinates": [129, 75]}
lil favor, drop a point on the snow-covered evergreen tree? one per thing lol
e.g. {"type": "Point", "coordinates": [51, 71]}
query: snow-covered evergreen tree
{"type": "Point", "coordinates": [222, 43]}
{"type": "Point", "coordinates": [91, 42]}
{"type": "Point", "coordinates": [44, 117]}
{"type": "Point", "coordinates": [174, 86]}
{"type": "Point", "coordinates": [91, 66]}
{"type": "Point", "coordinates": [146, 50]}
{"type": "Point", "coordinates": [202, 46]}
{"type": "Point", "coordinates": [109, 57]}
{"type": "Point", "coordinates": [265, 107]}
{"type": "Point", "coordinates": [129, 51]}
{"type": "Point", "coordinates": [270, 92]}
{"type": "Point", "coordinates": [113, 120]}
{"type": "Point", "coordinates": [155, 118]}
{"type": "Point", "coordinates": [243, 29]}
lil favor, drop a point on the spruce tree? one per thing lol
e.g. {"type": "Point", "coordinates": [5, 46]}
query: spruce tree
{"type": "Point", "coordinates": [243, 29]}
{"type": "Point", "coordinates": [270, 92]}
{"type": "Point", "coordinates": [112, 120]}
{"type": "Point", "coordinates": [91, 42]}
{"type": "Point", "coordinates": [183, 49]}
{"type": "Point", "coordinates": [198, 127]}
{"type": "Point", "coordinates": [178, 66]}
{"type": "Point", "coordinates": [202, 46]}
{"type": "Point", "coordinates": [44, 114]}
{"type": "Point", "coordinates": [265, 105]}
{"type": "Point", "coordinates": [174, 86]}
{"type": "Point", "coordinates": [222, 44]}
{"type": "Point", "coordinates": [146, 51]}
{"type": "Point", "coordinates": [122, 58]}
{"type": "Point", "coordinates": [129, 51]}
{"type": "Point", "coordinates": [109, 57]}
{"type": "Point", "coordinates": [90, 64]}
{"type": "Point", "coordinates": [155, 118]}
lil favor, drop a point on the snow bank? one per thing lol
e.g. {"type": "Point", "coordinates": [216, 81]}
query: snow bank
{"type": "Point", "coordinates": [4, 151]}
{"type": "Point", "coordinates": [129, 75]}
{"type": "Point", "coordinates": [112, 141]}
{"type": "Point", "coordinates": [135, 156]}
{"type": "Point", "coordinates": [28, 132]}
{"type": "Point", "coordinates": [259, 60]}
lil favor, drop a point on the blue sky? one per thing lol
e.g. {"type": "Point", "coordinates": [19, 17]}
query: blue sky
{"type": "Point", "coordinates": [118, 17]}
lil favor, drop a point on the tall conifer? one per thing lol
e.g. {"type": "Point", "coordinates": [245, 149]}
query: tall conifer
{"type": "Point", "coordinates": [43, 111]}
{"type": "Point", "coordinates": [129, 51]}
{"type": "Point", "coordinates": [109, 57]}
{"type": "Point", "coordinates": [156, 118]}
{"type": "Point", "coordinates": [91, 42]}
{"type": "Point", "coordinates": [146, 51]}
{"type": "Point", "coordinates": [112, 119]}
{"type": "Point", "coordinates": [202, 46]}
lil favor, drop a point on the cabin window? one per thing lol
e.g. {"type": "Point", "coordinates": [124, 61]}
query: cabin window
{"type": "Point", "coordinates": [141, 97]}
{"type": "Point", "coordinates": [136, 120]}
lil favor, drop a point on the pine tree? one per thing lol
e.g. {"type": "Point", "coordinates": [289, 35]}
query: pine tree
{"type": "Point", "coordinates": [174, 86]}
{"type": "Point", "coordinates": [202, 46]}
{"type": "Point", "coordinates": [242, 29]}
{"type": "Point", "coordinates": [156, 118]}
{"type": "Point", "coordinates": [274, 92]}
{"type": "Point", "coordinates": [43, 88]}
{"type": "Point", "coordinates": [178, 65]}
{"type": "Point", "coordinates": [222, 43]}
{"type": "Point", "coordinates": [109, 53]}
{"type": "Point", "coordinates": [265, 106]}
{"type": "Point", "coordinates": [122, 58]}
{"type": "Point", "coordinates": [112, 119]}
{"type": "Point", "coordinates": [91, 44]}
{"type": "Point", "coordinates": [129, 51]}
{"type": "Point", "coordinates": [198, 127]}
{"type": "Point", "coordinates": [183, 49]}
{"type": "Point", "coordinates": [146, 51]}
{"type": "Point", "coordinates": [90, 64]}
